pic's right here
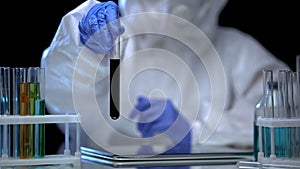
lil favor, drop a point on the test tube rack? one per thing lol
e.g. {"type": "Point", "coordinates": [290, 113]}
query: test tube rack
{"type": "Point", "coordinates": [271, 124]}
{"type": "Point", "coordinates": [57, 159]}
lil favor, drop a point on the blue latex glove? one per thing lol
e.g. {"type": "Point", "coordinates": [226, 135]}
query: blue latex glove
{"type": "Point", "coordinates": [100, 27]}
{"type": "Point", "coordinates": [156, 116]}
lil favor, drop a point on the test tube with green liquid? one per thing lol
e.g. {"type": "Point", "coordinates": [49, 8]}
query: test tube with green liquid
{"type": "Point", "coordinates": [31, 79]}
{"type": "Point", "coordinates": [32, 98]}
{"type": "Point", "coordinates": [39, 147]}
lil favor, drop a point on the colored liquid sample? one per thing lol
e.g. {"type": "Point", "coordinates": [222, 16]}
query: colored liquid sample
{"type": "Point", "coordinates": [114, 88]}
{"type": "Point", "coordinates": [39, 147]}
{"type": "Point", "coordinates": [25, 149]}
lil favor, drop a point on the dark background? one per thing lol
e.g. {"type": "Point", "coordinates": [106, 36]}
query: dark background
{"type": "Point", "coordinates": [28, 28]}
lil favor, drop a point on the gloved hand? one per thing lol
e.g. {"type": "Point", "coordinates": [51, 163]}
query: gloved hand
{"type": "Point", "coordinates": [100, 27]}
{"type": "Point", "coordinates": [156, 116]}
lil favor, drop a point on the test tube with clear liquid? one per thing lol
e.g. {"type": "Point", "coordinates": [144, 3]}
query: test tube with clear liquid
{"type": "Point", "coordinates": [5, 130]}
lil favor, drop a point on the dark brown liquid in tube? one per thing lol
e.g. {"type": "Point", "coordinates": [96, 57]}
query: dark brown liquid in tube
{"type": "Point", "coordinates": [114, 88]}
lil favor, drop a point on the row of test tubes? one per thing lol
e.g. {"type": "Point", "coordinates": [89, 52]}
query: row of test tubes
{"type": "Point", "coordinates": [22, 94]}
{"type": "Point", "coordinates": [280, 103]}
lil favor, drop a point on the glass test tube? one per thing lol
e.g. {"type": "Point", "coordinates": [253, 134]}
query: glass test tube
{"type": "Point", "coordinates": [296, 78]}
{"type": "Point", "coordinates": [39, 146]}
{"type": "Point", "coordinates": [115, 81]}
{"type": "Point", "coordinates": [291, 109]}
{"type": "Point", "coordinates": [25, 149]}
{"type": "Point", "coordinates": [268, 91]}
{"type": "Point", "coordinates": [39, 110]}
{"type": "Point", "coordinates": [115, 56]}
{"type": "Point", "coordinates": [294, 104]}
{"type": "Point", "coordinates": [5, 136]}
{"type": "Point", "coordinates": [32, 76]}
{"type": "Point", "coordinates": [283, 93]}
{"type": "Point", "coordinates": [298, 63]}
{"type": "Point", "coordinates": [18, 76]}
{"type": "Point", "coordinates": [259, 112]}
{"type": "Point", "coordinates": [114, 88]}
{"type": "Point", "coordinates": [283, 111]}
{"type": "Point", "coordinates": [269, 142]}
{"type": "Point", "coordinates": [297, 105]}
{"type": "Point", "coordinates": [2, 98]}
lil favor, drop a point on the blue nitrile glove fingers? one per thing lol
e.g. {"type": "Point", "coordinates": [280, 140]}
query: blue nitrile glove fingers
{"type": "Point", "coordinates": [100, 27]}
{"type": "Point", "coordinates": [157, 116]}
{"type": "Point", "coordinates": [153, 118]}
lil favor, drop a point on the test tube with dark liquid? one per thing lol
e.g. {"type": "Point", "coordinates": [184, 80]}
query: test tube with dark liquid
{"type": "Point", "coordinates": [115, 56]}
{"type": "Point", "coordinates": [114, 88]}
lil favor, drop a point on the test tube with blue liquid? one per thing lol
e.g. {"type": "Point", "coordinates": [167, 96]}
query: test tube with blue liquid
{"type": "Point", "coordinates": [268, 105]}
{"type": "Point", "coordinates": [265, 108]}
{"type": "Point", "coordinates": [285, 111]}
{"type": "Point", "coordinates": [296, 112]}
{"type": "Point", "coordinates": [260, 109]}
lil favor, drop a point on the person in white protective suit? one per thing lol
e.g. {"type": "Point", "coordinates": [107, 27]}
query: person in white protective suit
{"type": "Point", "coordinates": [184, 78]}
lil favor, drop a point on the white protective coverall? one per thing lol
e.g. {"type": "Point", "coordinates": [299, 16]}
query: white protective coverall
{"type": "Point", "coordinates": [186, 56]}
